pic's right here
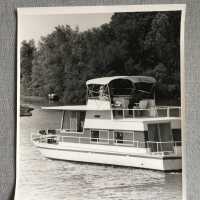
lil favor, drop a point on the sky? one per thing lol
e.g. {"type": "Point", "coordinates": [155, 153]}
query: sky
{"type": "Point", "coordinates": [35, 26]}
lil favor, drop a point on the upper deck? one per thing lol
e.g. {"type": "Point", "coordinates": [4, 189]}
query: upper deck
{"type": "Point", "coordinates": [81, 117]}
{"type": "Point", "coordinates": [123, 113]}
{"type": "Point", "coordinates": [122, 97]}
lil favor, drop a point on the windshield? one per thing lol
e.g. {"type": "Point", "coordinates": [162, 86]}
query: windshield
{"type": "Point", "coordinates": [144, 87]}
{"type": "Point", "coordinates": [121, 87]}
{"type": "Point", "coordinates": [96, 91]}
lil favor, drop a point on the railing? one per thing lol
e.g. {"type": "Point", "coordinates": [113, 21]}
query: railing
{"type": "Point", "coordinates": [164, 147]}
{"type": "Point", "coordinates": [51, 139]}
{"type": "Point", "coordinates": [58, 131]}
{"type": "Point", "coordinates": [120, 113]}
{"type": "Point", "coordinates": [150, 146]}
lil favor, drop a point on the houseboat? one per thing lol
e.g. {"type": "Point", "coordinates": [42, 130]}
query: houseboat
{"type": "Point", "coordinates": [119, 125]}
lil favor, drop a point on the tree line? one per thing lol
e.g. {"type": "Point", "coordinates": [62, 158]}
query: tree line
{"type": "Point", "coordinates": [130, 44]}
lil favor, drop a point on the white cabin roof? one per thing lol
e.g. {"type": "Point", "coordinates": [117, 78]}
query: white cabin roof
{"type": "Point", "coordinates": [72, 108]}
{"type": "Point", "coordinates": [133, 79]}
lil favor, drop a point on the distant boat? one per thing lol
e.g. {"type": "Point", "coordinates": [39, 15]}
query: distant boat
{"type": "Point", "coordinates": [25, 111]}
{"type": "Point", "coordinates": [53, 97]}
{"type": "Point", "coordinates": [119, 125]}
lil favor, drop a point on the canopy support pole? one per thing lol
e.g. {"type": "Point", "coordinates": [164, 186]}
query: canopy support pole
{"type": "Point", "coordinates": [62, 119]}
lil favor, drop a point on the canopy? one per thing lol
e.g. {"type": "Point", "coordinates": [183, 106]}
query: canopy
{"type": "Point", "coordinates": [133, 79]}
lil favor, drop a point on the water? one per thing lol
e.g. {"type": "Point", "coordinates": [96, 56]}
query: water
{"type": "Point", "coordinates": [45, 179]}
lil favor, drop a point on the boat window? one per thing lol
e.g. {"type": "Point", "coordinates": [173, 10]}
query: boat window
{"type": "Point", "coordinates": [176, 134]}
{"type": "Point", "coordinates": [121, 87]}
{"type": "Point", "coordinates": [51, 131]}
{"type": "Point", "coordinates": [139, 136]}
{"type": "Point", "coordinates": [94, 136]}
{"type": "Point", "coordinates": [73, 121]}
{"type": "Point", "coordinates": [42, 132]}
{"type": "Point", "coordinates": [160, 133]}
{"type": "Point", "coordinates": [80, 121]}
{"type": "Point", "coordinates": [144, 90]}
{"type": "Point", "coordinates": [118, 137]}
{"type": "Point", "coordinates": [100, 136]}
{"type": "Point", "coordinates": [70, 121]}
{"type": "Point", "coordinates": [98, 92]}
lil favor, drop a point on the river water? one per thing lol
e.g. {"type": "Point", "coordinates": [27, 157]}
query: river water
{"type": "Point", "coordinates": [44, 179]}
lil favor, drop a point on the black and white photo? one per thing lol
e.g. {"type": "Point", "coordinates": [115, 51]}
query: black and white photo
{"type": "Point", "coordinates": [99, 102]}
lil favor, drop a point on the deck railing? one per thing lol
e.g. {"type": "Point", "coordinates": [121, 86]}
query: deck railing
{"type": "Point", "coordinates": [150, 146]}
{"type": "Point", "coordinates": [164, 111]}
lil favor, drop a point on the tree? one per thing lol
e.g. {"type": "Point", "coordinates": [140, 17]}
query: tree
{"type": "Point", "coordinates": [27, 52]}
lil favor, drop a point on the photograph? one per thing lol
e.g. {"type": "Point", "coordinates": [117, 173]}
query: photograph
{"type": "Point", "coordinates": [99, 102]}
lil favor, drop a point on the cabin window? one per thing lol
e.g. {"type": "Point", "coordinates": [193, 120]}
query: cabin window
{"type": "Point", "coordinates": [118, 137]}
{"type": "Point", "coordinates": [94, 136]}
{"type": "Point", "coordinates": [100, 136]}
{"type": "Point", "coordinates": [96, 91]}
{"type": "Point", "coordinates": [160, 133]}
{"type": "Point", "coordinates": [73, 121]}
{"type": "Point", "coordinates": [123, 137]}
{"type": "Point", "coordinates": [103, 136]}
{"type": "Point", "coordinates": [69, 121]}
{"type": "Point", "coordinates": [121, 87]}
{"type": "Point", "coordinates": [176, 134]}
{"type": "Point", "coordinates": [80, 121]}
{"type": "Point", "coordinates": [139, 138]}
{"type": "Point", "coordinates": [144, 90]}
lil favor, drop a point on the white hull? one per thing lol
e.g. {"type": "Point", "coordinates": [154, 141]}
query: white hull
{"type": "Point", "coordinates": [101, 154]}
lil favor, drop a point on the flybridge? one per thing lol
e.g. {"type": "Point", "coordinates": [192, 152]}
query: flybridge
{"type": "Point", "coordinates": [116, 92]}
{"type": "Point", "coordinates": [125, 97]}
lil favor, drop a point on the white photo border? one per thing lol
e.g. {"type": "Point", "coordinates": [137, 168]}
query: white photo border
{"type": "Point", "coordinates": [22, 12]}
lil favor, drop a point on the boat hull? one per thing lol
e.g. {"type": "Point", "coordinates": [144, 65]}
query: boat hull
{"type": "Point", "coordinates": [76, 153]}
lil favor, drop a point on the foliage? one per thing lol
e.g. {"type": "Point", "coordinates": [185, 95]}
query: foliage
{"type": "Point", "coordinates": [27, 52]}
{"type": "Point", "coordinates": [131, 44]}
